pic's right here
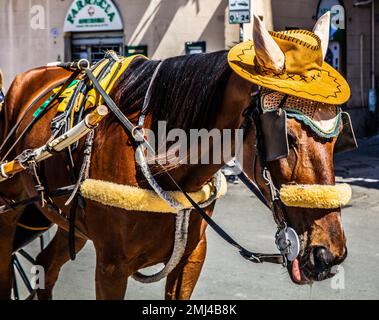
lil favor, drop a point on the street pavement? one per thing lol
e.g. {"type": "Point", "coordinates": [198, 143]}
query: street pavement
{"type": "Point", "coordinates": [226, 275]}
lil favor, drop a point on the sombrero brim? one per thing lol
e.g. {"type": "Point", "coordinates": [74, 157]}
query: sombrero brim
{"type": "Point", "coordinates": [328, 87]}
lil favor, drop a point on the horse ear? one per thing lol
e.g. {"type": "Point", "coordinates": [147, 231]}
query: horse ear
{"type": "Point", "coordinates": [321, 29]}
{"type": "Point", "coordinates": [267, 51]}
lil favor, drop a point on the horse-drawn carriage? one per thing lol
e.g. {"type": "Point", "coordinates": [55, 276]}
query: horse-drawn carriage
{"type": "Point", "coordinates": [76, 148]}
{"type": "Point", "coordinates": [32, 226]}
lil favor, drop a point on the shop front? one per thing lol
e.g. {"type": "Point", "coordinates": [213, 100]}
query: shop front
{"type": "Point", "coordinates": [91, 28]}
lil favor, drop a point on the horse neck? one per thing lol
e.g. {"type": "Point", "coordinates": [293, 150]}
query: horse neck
{"type": "Point", "coordinates": [236, 99]}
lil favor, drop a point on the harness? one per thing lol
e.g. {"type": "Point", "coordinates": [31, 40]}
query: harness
{"type": "Point", "coordinates": [286, 238]}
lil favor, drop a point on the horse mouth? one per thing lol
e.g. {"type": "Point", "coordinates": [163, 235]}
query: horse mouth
{"type": "Point", "coordinates": [301, 275]}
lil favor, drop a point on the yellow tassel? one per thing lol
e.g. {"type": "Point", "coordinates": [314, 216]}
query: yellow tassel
{"type": "Point", "coordinates": [316, 196]}
{"type": "Point", "coordinates": [136, 199]}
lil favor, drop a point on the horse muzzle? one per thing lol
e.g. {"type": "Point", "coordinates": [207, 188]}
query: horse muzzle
{"type": "Point", "coordinates": [314, 196]}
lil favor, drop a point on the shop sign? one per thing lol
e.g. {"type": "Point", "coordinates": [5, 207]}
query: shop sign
{"type": "Point", "coordinates": [239, 11]}
{"type": "Point", "coordinates": [92, 15]}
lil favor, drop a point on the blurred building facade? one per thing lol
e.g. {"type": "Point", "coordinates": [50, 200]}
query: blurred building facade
{"type": "Point", "coordinates": [35, 32]}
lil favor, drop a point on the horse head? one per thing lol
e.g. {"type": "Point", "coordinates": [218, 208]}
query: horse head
{"type": "Point", "coordinates": [301, 125]}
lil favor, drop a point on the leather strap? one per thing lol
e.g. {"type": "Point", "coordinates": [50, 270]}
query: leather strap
{"type": "Point", "coordinates": [249, 255]}
{"type": "Point", "coordinates": [14, 128]}
{"type": "Point", "coordinates": [252, 186]}
{"type": "Point", "coordinates": [35, 119]}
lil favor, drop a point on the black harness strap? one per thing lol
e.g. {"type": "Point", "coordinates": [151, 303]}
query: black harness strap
{"type": "Point", "coordinates": [11, 205]}
{"type": "Point", "coordinates": [38, 185]}
{"type": "Point", "coordinates": [246, 125]}
{"type": "Point", "coordinates": [249, 255]}
{"type": "Point", "coordinates": [71, 230]}
{"type": "Point", "coordinates": [14, 128]}
{"type": "Point", "coordinates": [277, 207]}
{"type": "Point", "coordinates": [76, 198]}
{"type": "Point", "coordinates": [252, 186]}
{"type": "Point", "coordinates": [35, 119]}
{"type": "Point", "coordinates": [110, 103]}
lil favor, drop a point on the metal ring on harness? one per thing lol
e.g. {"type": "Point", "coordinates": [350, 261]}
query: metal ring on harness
{"type": "Point", "coordinates": [138, 133]}
{"type": "Point", "coordinates": [83, 64]}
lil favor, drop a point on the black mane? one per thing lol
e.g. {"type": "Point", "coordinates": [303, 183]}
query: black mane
{"type": "Point", "coordinates": [185, 93]}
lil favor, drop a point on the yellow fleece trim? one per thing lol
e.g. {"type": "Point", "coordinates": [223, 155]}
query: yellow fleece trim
{"type": "Point", "coordinates": [137, 199]}
{"type": "Point", "coordinates": [316, 196]}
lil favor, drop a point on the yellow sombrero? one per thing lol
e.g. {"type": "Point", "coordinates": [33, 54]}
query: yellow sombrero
{"type": "Point", "coordinates": [291, 62]}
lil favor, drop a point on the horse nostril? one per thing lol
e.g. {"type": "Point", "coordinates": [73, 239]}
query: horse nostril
{"type": "Point", "coordinates": [321, 257]}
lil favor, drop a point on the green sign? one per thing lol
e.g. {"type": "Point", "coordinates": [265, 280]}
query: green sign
{"type": "Point", "coordinates": [133, 50]}
{"type": "Point", "coordinates": [92, 15]}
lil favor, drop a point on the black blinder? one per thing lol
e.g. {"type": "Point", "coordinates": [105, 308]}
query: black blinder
{"type": "Point", "coordinates": [274, 129]}
{"type": "Point", "coordinates": [346, 140]}
{"type": "Point", "coordinates": [2, 97]}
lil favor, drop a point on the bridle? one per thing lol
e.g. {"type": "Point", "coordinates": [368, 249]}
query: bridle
{"type": "Point", "coordinates": [286, 238]}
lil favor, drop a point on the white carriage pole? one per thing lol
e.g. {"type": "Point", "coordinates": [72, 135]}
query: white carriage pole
{"type": "Point", "coordinates": [8, 169]}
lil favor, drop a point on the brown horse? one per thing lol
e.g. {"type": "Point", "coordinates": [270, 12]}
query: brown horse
{"type": "Point", "coordinates": [189, 92]}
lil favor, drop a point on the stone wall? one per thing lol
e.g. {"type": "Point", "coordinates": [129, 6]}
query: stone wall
{"type": "Point", "coordinates": [163, 25]}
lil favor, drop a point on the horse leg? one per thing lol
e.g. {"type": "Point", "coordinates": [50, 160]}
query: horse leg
{"type": "Point", "coordinates": [8, 225]}
{"type": "Point", "coordinates": [182, 280]}
{"type": "Point", "coordinates": [52, 258]}
{"type": "Point", "coordinates": [111, 275]}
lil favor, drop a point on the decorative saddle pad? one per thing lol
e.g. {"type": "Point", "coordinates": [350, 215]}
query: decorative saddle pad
{"type": "Point", "coordinates": [81, 95]}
